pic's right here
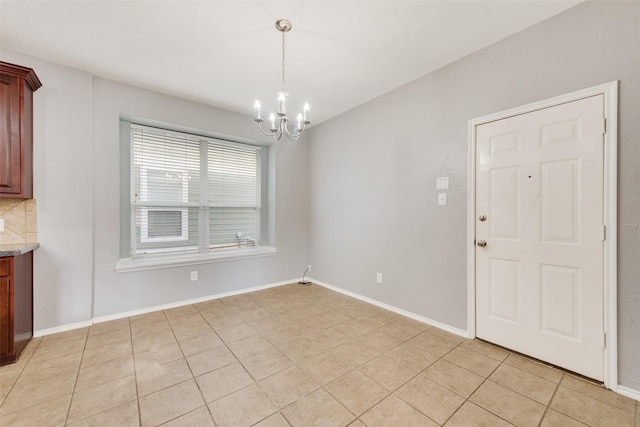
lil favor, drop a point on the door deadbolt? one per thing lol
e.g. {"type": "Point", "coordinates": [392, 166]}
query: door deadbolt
{"type": "Point", "coordinates": [482, 243]}
{"type": "Point", "coordinates": [483, 218]}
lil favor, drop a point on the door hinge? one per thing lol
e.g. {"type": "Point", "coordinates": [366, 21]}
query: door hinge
{"type": "Point", "coordinates": [604, 232]}
{"type": "Point", "coordinates": [604, 125]}
{"type": "Point", "coordinates": [604, 340]}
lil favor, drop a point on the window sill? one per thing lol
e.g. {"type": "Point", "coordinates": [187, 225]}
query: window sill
{"type": "Point", "coordinates": [152, 262]}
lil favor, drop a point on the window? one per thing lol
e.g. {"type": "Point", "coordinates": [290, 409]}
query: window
{"type": "Point", "coordinates": [192, 194]}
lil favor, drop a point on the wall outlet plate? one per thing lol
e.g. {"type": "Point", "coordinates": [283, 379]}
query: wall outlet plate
{"type": "Point", "coordinates": [442, 183]}
{"type": "Point", "coordinates": [442, 199]}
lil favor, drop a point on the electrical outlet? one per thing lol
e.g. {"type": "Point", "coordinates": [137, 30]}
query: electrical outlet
{"type": "Point", "coordinates": [442, 199]}
{"type": "Point", "coordinates": [309, 267]}
{"type": "Point", "coordinates": [379, 277]}
{"type": "Point", "coordinates": [194, 276]}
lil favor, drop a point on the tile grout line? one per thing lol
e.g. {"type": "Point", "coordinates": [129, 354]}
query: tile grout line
{"type": "Point", "coordinates": [193, 376]}
{"type": "Point", "coordinates": [75, 382]}
{"type": "Point", "coordinates": [357, 417]}
{"type": "Point", "coordinates": [245, 322]}
{"type": "Point", "coordinates": [237, 361]}
{"type": "Point", "coordinates": [568, 374]}
{"type": "Point", "coordinates": [164, 388]}
{"type": "Point", "coordinates": [20, 373]}
{"type": "Point", "coordinates": [548, 406]}
{"type": "Point", "coordinates": [391, 393]}
{"type": "Point", "coordinates": [402, 385]}
{"type": "Point", "coordinates": [558, 385]}
{"type": "Point", "coordinates": [295, 364]}
{"type": "Point", "coordinates": [322, 387]}
{"type": "Point", "coordinates": [356, 339]}
{"type": "Point", "coordinates": [279, 410]}
{"type": "Point", "coordinates": [466, 399]}
{"type": "Point", "coordinates": [135, 371]}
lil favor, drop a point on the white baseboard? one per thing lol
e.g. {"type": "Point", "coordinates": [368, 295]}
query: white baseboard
{"type": "Point", "coordinates": [397, 310]}
{"type": "Point", "coordinates": [100, 319]}
{"type": "Point", "coordinates": [107, 318]}
{"type": "Point", "coordinates": [63, 328]}
{"type": "Point", "coordinates": [628, 392]}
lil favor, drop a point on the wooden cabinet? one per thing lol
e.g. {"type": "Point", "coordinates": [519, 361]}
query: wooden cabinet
{"type": "Point", "coordinates": [16, 305]}
{"type": "Point", "coordinates": [17, 85]}
{"type": "Point", "coordinates": [6, 313]}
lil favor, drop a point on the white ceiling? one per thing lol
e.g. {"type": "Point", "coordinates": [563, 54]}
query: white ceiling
{"type": "Point", "coordinates": [228, 53]}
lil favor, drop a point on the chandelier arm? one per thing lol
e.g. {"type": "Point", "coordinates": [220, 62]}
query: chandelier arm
{"type": "Point", "coordinates": [270, 133]}
{"type": "Point", "coordinates": [290, 134]}
{"type": "Point", "coordinates": [303, 128]}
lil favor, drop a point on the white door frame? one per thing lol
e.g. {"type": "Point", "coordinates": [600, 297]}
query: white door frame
{"type": "Point", "coordinates": [610, 92]}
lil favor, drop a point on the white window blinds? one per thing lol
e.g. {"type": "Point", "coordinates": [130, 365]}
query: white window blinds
{"type": "Point", "coordinates": [192, 193]}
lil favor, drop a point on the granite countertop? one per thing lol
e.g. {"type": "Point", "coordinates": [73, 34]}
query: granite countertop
{"type": "Point", "coordinates": [17, 249]}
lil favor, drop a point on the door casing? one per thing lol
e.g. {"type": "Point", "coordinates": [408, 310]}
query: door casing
{"type": "Point", "coordinates": [610, 92]}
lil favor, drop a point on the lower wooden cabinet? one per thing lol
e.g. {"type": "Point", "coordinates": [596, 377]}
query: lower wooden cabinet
{"type": "Point", "coordinates": [16, 305]}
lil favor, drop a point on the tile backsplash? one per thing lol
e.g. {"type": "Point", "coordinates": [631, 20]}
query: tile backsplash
{"type": "Point", "coordinates": [20, 221]}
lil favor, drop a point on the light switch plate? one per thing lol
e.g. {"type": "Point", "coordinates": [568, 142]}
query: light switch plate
{"type": "Point", "coordinates": [442, 183]}
{"type": "Point", "coordinates": [442, 199]}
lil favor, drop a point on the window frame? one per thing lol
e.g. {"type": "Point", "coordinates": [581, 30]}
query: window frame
{"type": "Point", "coordinates": [154, 259]}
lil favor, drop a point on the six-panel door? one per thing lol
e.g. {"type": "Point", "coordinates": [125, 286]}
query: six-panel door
{"type": "Point", "coordinates": [539, 279]}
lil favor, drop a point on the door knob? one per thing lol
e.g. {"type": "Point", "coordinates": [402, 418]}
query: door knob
{"type": "Point", "coordinates": [482, 243]}
{"type": "Point", "coordinates": [483, 218]}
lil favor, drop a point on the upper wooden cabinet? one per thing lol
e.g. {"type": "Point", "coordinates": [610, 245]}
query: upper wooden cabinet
{"type": "Point", "coordinates": [17, 85]}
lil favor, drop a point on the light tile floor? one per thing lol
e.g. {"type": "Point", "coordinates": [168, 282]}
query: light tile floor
{"type": "Point", "coordinates": [290, 356]}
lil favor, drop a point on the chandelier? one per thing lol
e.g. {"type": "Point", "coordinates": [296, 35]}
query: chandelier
{"type": "Point", "coordinates": [279, 121]}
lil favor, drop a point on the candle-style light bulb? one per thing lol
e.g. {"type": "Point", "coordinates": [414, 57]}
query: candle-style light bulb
{"type": "Point", "coordinates": [273, 121]}
{"type": "Point", "coordinates": [282, 109]}
{"type": "Point", "coordinates": [257, 107]}
{"type": "Point", "coordinates": [299, 122]}
{"type": "Point", "coordinates": [305, 109]}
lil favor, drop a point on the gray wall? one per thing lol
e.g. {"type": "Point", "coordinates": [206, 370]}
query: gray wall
{"type": "Point", "coordinates": [122, 292]}
{"type": "Point", "coordinates": [77, 169]}
{"type": "Point", "coordinates": [63, 188]}
{"type": "Point", "coordinates": [372, 197]}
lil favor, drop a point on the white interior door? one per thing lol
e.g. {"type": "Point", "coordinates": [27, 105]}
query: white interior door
{"type": "Point", "coordinates": [539, 208]}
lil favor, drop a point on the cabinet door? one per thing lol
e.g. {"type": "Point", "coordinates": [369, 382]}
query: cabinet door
{"type": "Point", "coordinates": [6, 308]}
{"type": "Point", "coordinates": [15, 137]}
{"type": "Point", "coordinates": [10, 135]}
{"type": "Point", "coordinates": [22, 273]}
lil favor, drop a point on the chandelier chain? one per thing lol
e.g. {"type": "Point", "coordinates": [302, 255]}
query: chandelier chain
{"type": "Point", "coordinates": [283, 62]}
